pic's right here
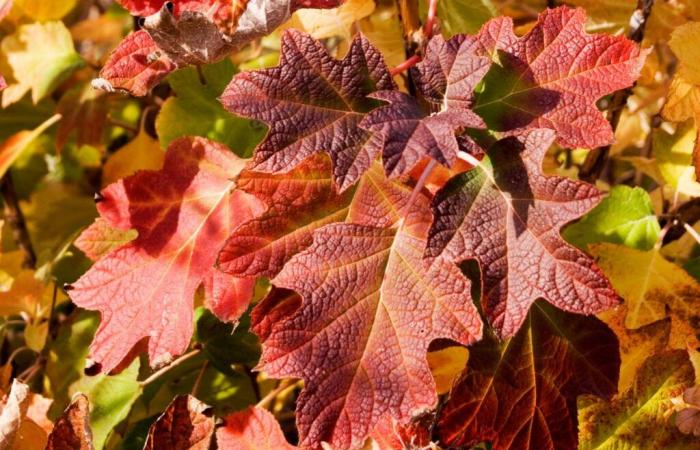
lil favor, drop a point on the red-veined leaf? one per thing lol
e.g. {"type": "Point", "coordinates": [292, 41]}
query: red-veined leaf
{"type": "Point", "coordinates": [552, 76]}
{"type": "Point", "coordinates": [145, 288]}
{"type": "Point", "coordinates": [254, 428]}
{"type": "Point", "coordinates": [506, 214]}
{"type": "Point", "coordinates": [312, 103]}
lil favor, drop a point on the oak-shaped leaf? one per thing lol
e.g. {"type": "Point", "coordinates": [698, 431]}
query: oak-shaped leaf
{"type": "Point", "coordinates": [313, 103]}
{"type": "Point", "coordinates": [253, 428]}
{"type": "Point", "coordinates": [688, 418]}
{"type": "Point", "coordinates": [371, 305]}
{"type": "Point", "coordinates": [185, 424]}
{"type": "Point", "coordinates": [404, 133]}
{"type": "Point", "coordinates": [72, 429]}
{"type": "Point", "coordinates": [299, 202]}
{"type": "Point", "coordinates": [506, 214]}
{"type": "Point", "coordinates": [521, 394]}
{"type": "Point", "coordinates": [553, 76]}
{"type": "Point", "coordinates": [145, 288]}
{"type": "Point", "coordinates": [450, 71]}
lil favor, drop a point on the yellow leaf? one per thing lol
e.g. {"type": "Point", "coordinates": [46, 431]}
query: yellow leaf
{"type": "Point", "coordinates": [43, 10]}
{"type": "Point", "coordinates": [325, 23]}
{"type": "Point", "coordinates": [35, 335]}
{"type": "Point", "coordinates": [683, 100]}
{"type": "Point", "coordinates": [674, 157]}
{"type": "Point", "coordinates": [41, 56]}
{"type": "Point", "coordinates": [635, 345]}
{"type": "Point", "coordinates": [383, 29]}
{"type": "Point", "coordinates": [13, 147]}
{"type": "Point", "coordinates": [649, 284]}
{"type": "Point", "coordinates": [142, 153]}
{"type": "Point", "coordinates": [685, 43]}
{"type": "Point", "coordinates": [446, 365]}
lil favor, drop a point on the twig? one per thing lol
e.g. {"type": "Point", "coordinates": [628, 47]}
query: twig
{"type": "Point", "coordinates": [410, 62]}
{"type": "Point", "coordinates": [200, 375]}
{"type": "Point", "coordinates": [15, 218]}
{"type": "Point", "coordinates": [275, 392]}
{"type": "Point", "coordinates": [167, 368]}
{"type": "Point", "coordinates": [596, 158]}
{"type": "Point", "coordinates": [430, 19]}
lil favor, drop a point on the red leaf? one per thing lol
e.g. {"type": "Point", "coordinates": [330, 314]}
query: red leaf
{"type": "Point", "coordinates": [404, 134]}
{"type": "Point", "coordinates": [135, 66]}
{"type": "Point", "coordinates": [253, 428]}
{"type": "Point", "coordinates": [145, 288]}
{"type": "Point", "coordinates": [521, 394]}
{"type": "Point", "coordinates": [299, 202]}
{"type": "Point", "coordinates": [371, 306]}
{"type": "Point", "coordinates": [72, 429]}
{"type": "Point", "coordinates": [312, 103]}
{"type": "Point", "coordinates": [552, 76]}
{"type": "Point", "coordinates": [274, 308]}
{"type": "Point", "coordinates": [450, 71]}
{"type": "Point", "coordinates": [506, 214]}
{"type": "Point", "coordinates": [184, 425]}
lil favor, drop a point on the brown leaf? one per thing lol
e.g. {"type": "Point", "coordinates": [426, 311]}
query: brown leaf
{"type": "Point", "coordinates": [72, 430]}
{"type": "Point", "coordinates": [183, 426]}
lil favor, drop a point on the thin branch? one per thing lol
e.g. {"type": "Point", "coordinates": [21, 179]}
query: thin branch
{"type": "Point", "coordinates": [198, 381]}
{"type": "Point", "coordinates": [275, 392]}
{"type": "Point", "coordinates": [410, 62]}
{"type": "Point", "coordinates": [167, 368]}
{"type": "Point", "coordinates": [15, 218]}
{"type": "Point", "coordinates": [596, 159]}
{"type": "Point", "coordinates": [429, 26]}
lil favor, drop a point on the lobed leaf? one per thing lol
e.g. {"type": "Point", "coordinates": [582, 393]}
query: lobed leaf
{"type": "Point", "coordinates": [506, 214]}
{"type": "Point", "coordinates": [521, 393]}
{"type": "Point", "coordinates": [182, 214]}
{"type": "Point", "coordinates": [312, 103]}
{"type": "Point", "coordinates": [552, 77]}
{"type": "Point", "coordinates": [370, 307]}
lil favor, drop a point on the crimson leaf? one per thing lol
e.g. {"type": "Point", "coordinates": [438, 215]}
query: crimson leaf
{"type": "Point", "coordinates": [506, 214]}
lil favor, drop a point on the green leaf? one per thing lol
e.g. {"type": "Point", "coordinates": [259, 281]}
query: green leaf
{"type": "Point", "coordinates": [66, 359]}
{"type": "Point", "coordinates": [624, 217]}
{"type": "Point", "coordinates": [111, 396]}
{"type": "Point", "coordinates": [23, 115]}
{"type": "Point", "coordinates": [225, 345]}
{"type": "Point", "coordinates": [462, 16]}
{"type": "Point", "coordinates": [195, 111]}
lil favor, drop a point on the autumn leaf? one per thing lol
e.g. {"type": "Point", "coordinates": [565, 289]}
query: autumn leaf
{"type": "Point", "coordinates": [641, 417]}
{"type": "Point", "coordinates": [321, 101]}
{"type": "Point", "coordinates": [135, 66]}
{"type": "Point", "coordinates": [72, 429]}
{"type": "Point", "coordinates": [41, 56]}
{"type": "Point", "coordinates": [506, 214]}
{"type": "Point", "coordinates": [100, 238]}
{"type": "Point", "coordinates": [521, 393]}
{"type": "Point", "coordinates": [182, 214]}
{"type": "Point", "coordinates": [687, 418]}
{"type": "Point", "coordinates": [368, 296]}
{"type": "Point", "coordinates": [12, 148]}
{"type": "Point", "coordinates": [299, 202]}
{"type": "Point", "coordinates": [142, 153]}
{"type": "Point", "coordinates": [84, 114]}
{"type": "Point", "coordinates": [404, 134]}
{"type": "Point", "coordinates": [552, 77]}
{"type": "Point", "coordinates": [253, 428]}
{"type": "Point", "coordinates": [184, 424]}
{"type": "Point", "coordinates": [18, 430]}
{"type": "Point", "coordinates": [450, 72]}
{"type": "Point", "coordinates": [649, 284]}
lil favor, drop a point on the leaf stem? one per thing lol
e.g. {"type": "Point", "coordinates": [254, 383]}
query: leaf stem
{"type": "Point", "coordinates": [419, 186]}
{"type": "Point", "coordinates": [410, 62]}
{"type": "Point", "coordinates": [155, 375]}
{"type": "Point", "coordinates": [15, 218]}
